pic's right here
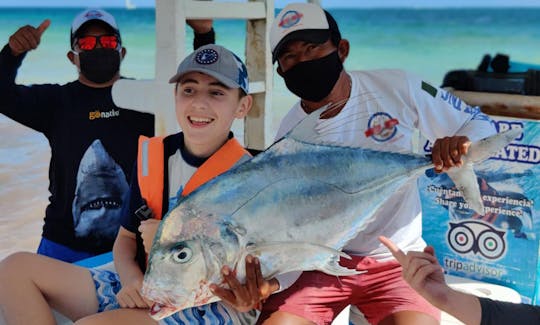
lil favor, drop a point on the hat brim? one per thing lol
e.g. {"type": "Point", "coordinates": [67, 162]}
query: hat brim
{"type": "Point", "coordinates": [219, 77]}
{"type": "Point", "coordinates": [316, 36]}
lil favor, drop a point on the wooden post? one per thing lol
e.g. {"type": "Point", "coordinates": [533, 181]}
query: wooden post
{"type": "Point", "coordinates": [259, 64]}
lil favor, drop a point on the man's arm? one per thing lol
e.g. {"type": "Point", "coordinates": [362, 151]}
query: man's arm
{"type": "Point", "coordinates": [27, 105]}
{"type": "Point", "coordinates": [203, 32]}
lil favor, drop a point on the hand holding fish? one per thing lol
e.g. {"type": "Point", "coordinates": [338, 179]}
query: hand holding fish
{"type": "Point", "coordinates": [148, 229]}
{"type": "Point", "coordinates": [447, 152]}
{"type": "Point", "coordinates": [130, 294]}
{"type": "Point", "coordinates": [245, 297]}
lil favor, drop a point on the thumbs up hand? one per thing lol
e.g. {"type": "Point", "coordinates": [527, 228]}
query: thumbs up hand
{"type": "Point", "coordinates": [27, 38]}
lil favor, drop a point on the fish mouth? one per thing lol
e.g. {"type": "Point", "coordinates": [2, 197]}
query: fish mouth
{"type": "Point", "coordinates": [159, 311]}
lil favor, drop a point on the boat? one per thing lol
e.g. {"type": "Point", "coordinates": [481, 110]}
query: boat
{"type": "Point", "coordinates": [130, 5]}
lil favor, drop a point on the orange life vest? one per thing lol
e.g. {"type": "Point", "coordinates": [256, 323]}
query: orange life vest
{"type": "Point", "coordinates": [151, 174]}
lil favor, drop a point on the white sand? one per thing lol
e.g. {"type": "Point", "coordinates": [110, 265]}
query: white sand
{"type": "Point", "coordinates": [24, 159]}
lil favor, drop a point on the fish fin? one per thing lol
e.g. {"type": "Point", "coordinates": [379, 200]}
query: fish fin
{"type": "Point", "coordinates": [315, 257]}
{"type": "Point", "coordinates": [305, 130]}
{"type": "Point", "coordinates": [483, 149]}
{"type": "Point", "coordinates": [466, 181]}
{"type": "Point", "coordinates": [333, 268]}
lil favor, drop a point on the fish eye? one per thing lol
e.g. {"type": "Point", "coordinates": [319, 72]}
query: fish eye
{"type": "Point", "coordinates": [181, 254]}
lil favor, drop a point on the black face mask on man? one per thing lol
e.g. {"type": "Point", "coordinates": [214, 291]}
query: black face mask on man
{"type": "Point", "coordinates": [99, 65]}
{"type": "Point", "coordinates": [313, 80]}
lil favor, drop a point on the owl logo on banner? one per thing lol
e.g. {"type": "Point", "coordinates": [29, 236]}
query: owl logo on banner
{"type": "Point", "coordinates": [477, 237]}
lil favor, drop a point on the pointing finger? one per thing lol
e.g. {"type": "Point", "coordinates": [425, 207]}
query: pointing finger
{"type": "Point", "coordinates": [398, 253]}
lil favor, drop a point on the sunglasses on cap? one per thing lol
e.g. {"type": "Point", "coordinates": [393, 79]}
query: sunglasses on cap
{"type": "Point", "coordinates": [87, 43]}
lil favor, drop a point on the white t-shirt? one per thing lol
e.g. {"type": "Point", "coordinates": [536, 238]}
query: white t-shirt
{"type": "Point", "coordinates": [379, 99]}
{"type": "Point", "coordinates": [179, 174]}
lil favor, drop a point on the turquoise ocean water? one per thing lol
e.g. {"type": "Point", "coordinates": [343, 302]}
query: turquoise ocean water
{"type": "Point", "coordinates": [425, 41]}
{"type": "Point", "coordinates": [428, 42]}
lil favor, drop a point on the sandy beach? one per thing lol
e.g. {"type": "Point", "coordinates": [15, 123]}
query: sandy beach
{"type": "Point", "coordinates": [23, 197]}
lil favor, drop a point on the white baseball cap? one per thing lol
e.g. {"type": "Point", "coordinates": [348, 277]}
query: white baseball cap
{"type": "Point", "coordinates": [302, 21]}
{"type": "Point", "coordinates": [90, 15]}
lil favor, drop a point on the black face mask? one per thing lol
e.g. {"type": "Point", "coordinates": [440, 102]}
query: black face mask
{"type": "Point", "coordinates": [99, 65]}
{"type": "Point", "coordinates": [313, 80]}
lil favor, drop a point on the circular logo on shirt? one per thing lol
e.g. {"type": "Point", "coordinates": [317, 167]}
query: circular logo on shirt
{"type": "Point", "coordinates": [381, 127]}
{"type": "Point", "coordinates": [207, 56]}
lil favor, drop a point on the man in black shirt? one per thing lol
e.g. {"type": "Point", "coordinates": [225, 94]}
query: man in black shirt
{"type": "Point", "coordinates": [93, 141]}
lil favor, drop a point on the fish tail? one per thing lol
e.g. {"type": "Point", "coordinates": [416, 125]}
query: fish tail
{"type": "Point", "coordinates": [483, 149]}
{"type": "Point", "coordinates": [465, 178]}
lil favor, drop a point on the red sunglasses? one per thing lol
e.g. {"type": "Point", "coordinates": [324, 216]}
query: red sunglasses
{"type": "Point", "coordinates": [87, 43]}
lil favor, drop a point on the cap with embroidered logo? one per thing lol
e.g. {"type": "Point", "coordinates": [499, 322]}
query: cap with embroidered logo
{"type": "Point", "coordinates": [92, 14]}
{"type": "Point", "coordinates": [302, 21]}
{"type": "Point", "coordinates": [218, 62]}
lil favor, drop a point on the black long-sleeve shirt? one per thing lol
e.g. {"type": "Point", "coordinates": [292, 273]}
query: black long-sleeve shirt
{"type": "Point", "coordinates": [504, 313]}
{"type": "Point", "coordinates": [93, 148]}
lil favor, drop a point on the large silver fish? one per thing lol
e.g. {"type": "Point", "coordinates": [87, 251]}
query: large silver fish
{"type": "Point", "coordinates": [294, 206]}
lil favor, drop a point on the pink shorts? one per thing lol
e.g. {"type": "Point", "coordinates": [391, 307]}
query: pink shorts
{"type": "Point", "coordinates": [378, 293]}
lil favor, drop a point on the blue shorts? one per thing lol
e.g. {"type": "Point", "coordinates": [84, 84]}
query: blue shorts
{"type": "Point", "coordinates": [61, 252]}
{"type": "Point", "coordinates": [107, 285]}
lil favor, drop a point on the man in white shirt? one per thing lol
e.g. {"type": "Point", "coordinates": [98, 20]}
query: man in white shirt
{"type": "Point", "coordinates": [371, 109]}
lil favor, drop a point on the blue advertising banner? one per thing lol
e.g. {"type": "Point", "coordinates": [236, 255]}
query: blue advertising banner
{"type": "Point", "coordinates": [501, 246]}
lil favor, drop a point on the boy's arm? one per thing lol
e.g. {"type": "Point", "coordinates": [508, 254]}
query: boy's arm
{"type": "Point", "coordinates": [131, 276]}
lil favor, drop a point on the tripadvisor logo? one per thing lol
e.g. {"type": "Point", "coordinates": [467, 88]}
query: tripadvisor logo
{"type": "Point", "coordinates": [98, 114]}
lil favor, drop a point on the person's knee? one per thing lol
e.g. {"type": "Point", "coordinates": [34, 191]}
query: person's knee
{"type": "Point", "coordinates": [282, 318]}
{"type": "Point", "coordinates": [82, 321]}
{"type": "Point", "coordinates": [88, 320]}
{"type": "Point", "coordinates": [409, 317]}
{"type": "Point", "coordinates": [15, 264]}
